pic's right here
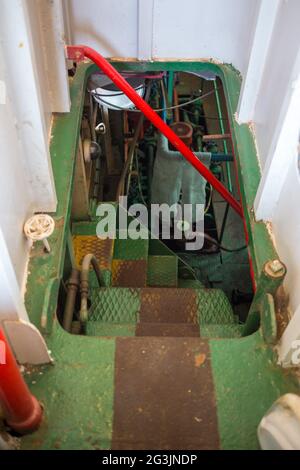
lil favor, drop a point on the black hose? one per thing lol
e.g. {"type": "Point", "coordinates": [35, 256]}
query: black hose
{"type": "Point", "coordinates": [221, 247]}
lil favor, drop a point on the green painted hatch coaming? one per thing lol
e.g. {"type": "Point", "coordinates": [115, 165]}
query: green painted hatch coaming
{"type": "Point", "coordinates": [79, 390]}
{"type": "Point", "coordinates": [46, 269]}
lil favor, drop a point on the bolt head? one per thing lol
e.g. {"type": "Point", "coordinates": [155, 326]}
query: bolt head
{"type": "Point", "coordinates": [275, 268]}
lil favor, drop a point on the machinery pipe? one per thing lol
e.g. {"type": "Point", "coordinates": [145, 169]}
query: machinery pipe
{"type": "Point", "coordinates": [72, 288]}
{"type": "Point", "coordinates": [221, 157]}
{"type": "Point", "coordinates": [79, 52]}
{"type": "Point", "coordinates": [88, 260]}
{"type": "Point", "coordinates": [22, 411]}
{"type": "Point", "coordinates": [207, 138]}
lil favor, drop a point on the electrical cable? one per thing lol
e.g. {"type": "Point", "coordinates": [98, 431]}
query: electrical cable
{"type": "Point", "coordinates": [221, 247]}
{"type": "Point", "coordinates": [206, 117]}
{"type": "Point", "coordinates": [194, 235]}
{"type": "Point", "coordinates": [209, 200]}
{"type": "Point", "coordinates": [157, 110]}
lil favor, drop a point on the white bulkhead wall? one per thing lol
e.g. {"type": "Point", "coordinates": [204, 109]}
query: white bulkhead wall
{"type": "Point", "coordinates": [166, 29]}
{"type": "Point", "coordinates": [31, 34]}
{"type": "Point", "coordinates": [31, 89]}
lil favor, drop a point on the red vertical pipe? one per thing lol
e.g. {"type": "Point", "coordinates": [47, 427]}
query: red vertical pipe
{"type": "Point", "coordinates": [22, 411]}
{"type": "Point", "coordinates": [79, 52]}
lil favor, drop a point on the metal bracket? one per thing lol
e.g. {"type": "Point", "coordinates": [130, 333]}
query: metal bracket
{"type": "Point", "coordinates": [75, 53]}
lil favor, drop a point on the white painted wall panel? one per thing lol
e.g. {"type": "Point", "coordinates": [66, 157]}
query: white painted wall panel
{"type": "Point", "coordinates": [33, 73]}
{"type": "Point", "coordinates": [279, 74]}
{"type": "Point", "coordinates": [277, 127]}
{"type": "Point", "coordinates": [286, 226]}
{"type": "Point", "coordinates": [109, 26]}
{"type": "Point", "coordinates": [192, 29]}
{"type": "Point", "coordinates": [16, 197]}
{"type": "Point", "coordinates": [196, 29]}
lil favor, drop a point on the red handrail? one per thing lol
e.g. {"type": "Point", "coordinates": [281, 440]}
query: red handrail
{"type": "Point", "coordinates": [77, 53]}
{"type": "Point", "coordinates": [22, 411]}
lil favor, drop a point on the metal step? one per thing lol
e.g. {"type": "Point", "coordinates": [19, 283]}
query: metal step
{"type": "Point", "coordinates": [130, 263]}
{"type": "Point", "coordinates": [98, 328]}
{"type": "Point", "coordinates": [162, 271]}
{"type": "Point", "coordinates": [160, 305]}
{"type": "Point", "coordinates": [164, 395]}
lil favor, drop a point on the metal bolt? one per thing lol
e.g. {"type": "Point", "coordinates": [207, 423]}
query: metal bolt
{"type": "Point", "coordinates": [275, 268]}
{"type": "Point", "coordinates": [100, 128]}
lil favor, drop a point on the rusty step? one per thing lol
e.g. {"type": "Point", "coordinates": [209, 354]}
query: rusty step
{"type": "Point", "coordinates": [160, 305]}
{"type": "Point", "coordinates": [164, 395]}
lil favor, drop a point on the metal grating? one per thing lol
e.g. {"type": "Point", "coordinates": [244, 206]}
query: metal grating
{"type": "Point", "coordinates": [169, 305]}
{"type": "Point", "coordinates": [131, 249]}
{"type": "Point", "coordinates": [102, 249]}
{"type": "Point", "coordinates": [162, 271]}
{"type": "Point", "coordinates": [129, 273]}
{"type": "Point", "coordinates": [214, 307]}
{"type": "Point", "coordinates": [115, 305]}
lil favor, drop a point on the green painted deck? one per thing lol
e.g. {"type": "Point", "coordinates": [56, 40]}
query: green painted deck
{"type": "Point", "coordinates": [162, 363]}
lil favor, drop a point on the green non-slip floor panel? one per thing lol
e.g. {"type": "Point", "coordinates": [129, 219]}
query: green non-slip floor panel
{"type": "Point", "coordinates": [162, 271]}
{"type": "Point", "coordinates": [77, 394]}
{"type": "Point", "coordinates": [86, 406]}
{"type": "Point", "coordinates": [214, 307]}
{"type": "Point", "coordinates": [247, 382]}
{"type": "Point", "coordinates": [98, 328]}
{"type": "Point", "coordinates": [115, 305]}
{"type": "Point", "coordinates": [130, 249]}
{"type": "Point", "coordinates": [222, 331]}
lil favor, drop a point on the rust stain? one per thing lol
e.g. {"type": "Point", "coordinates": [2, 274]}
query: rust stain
{"type": "Point", "coordinates": [161, 401]}
{"type": "Point", "coordinates": [200, 359]}
{"type": "Point", "coordinates": [283, 316]}
{"type": "Point", "coordinates": [129, 273]}
{"type": "Point", "coordinates": [167, 329]}
{"type": "Point", "coordinates": [169, 305]}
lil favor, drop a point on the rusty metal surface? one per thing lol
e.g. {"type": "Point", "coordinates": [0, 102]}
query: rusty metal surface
{"type": "Point", "coordinates": [102, 249]}
{"type": "Point", "coordinates": [169, 305]}
{"type": "Point", "coordinates": [164, 395]}
{"type": "Point", "coordinates": [129, 273]}
{"type": "Point", "coordinates": [283, 314]}
{"type": "Point", "coordinates": [167, 329]}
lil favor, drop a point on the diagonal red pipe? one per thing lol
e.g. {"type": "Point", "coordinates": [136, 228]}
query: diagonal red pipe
{"type": "Point", "coordinates": [78, 53]}
{"type": "Point", "coordinates": [22, 411]}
